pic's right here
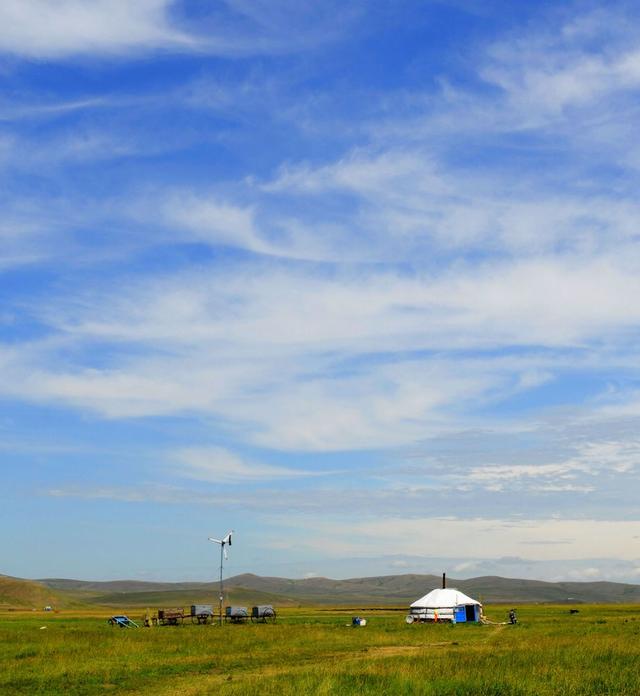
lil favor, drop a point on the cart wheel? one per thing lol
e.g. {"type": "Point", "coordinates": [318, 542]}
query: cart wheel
{"type": "Point", "coordinates": [269, 616]}
{"type": "Point", "coordinates": [110, 622]}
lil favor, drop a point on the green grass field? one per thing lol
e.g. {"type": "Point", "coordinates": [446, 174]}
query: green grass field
{"type": "Point", "coordinates": [314, 651]}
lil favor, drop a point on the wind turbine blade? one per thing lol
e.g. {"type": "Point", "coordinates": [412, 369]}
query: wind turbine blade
{"type": "Point", "coordinates": [218, 541]}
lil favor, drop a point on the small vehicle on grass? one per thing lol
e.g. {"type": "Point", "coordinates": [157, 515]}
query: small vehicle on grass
{"type": "Point", "coordinates": [263, 613]}
{"type": "Point", "coordinates": [236, 614]}
{"type": "Point", "coordinates": [170, 617]}
{"type": "Point", "coordinates": [201, 613]}
{"type": "Point", "coordinates": [121, 621]}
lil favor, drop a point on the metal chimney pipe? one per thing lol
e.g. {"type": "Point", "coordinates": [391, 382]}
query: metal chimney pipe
{"type": "Point", "coordinates": [444, 581]}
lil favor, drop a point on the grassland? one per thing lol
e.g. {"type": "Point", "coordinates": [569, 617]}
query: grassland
{"type": "Point", "coordinates": [315, 651]}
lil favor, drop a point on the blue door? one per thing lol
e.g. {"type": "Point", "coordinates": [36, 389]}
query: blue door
{"type": "Point", "coordinates": [460, 614]}
{"type": "Point", "coordinates": [470, 610]}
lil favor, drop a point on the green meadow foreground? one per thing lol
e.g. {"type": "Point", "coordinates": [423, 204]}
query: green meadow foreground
{"type": "Point", "coordinates": [314, 651]}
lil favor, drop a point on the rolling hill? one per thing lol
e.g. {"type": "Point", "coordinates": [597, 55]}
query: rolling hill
{"type": "Point", "coordinates": [185, 598]}
{"type": "Point", "coordinates": [29, 594]}
{"type": "Point", "coordinates": [406, 588]}
{"type": "Point", "coordinates": [388, 589]}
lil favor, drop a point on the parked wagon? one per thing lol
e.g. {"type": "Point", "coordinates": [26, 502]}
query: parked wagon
{"type": "Point", "coordinates": [201, 613]}
{"type": "Point", "coordinates": [204, 614]}
{"type": "Point", "coordinates": [263, 613]}
{"type": "Point", "coordinates": [171, 617]}
{"type": "Point", "coordinates": [236, 614]}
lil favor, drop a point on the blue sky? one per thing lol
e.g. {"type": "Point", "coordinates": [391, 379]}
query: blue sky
{"type": "Point", "coordinates": [357, 280]}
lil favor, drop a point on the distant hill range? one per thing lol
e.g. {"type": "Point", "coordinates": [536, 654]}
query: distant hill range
{"type": "Point", "coordinates": [16, 593]}
{"type": "Point", "coordinates": [247, 589]}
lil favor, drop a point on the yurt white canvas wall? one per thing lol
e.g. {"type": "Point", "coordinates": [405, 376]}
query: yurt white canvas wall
{"type": "Point", "coordinates": [445, 605]}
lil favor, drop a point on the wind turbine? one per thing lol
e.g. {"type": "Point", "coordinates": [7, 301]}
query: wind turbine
{"type": "Point", "coordinates": [224, 542]}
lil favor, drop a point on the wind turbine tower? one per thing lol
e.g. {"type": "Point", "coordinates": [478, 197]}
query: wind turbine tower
{"type": "Point", "coordinates": [224, 542]}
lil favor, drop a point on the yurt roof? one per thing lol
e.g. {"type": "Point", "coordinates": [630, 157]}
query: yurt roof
{"type": "Point", "coordinates": [437, 599]}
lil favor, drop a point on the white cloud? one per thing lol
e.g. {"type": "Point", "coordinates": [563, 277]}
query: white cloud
{"type": "Point", "coordinates": [399, 564]}
{"type": "Point", "coordinates": [586, 574]}
{"type": "Point", "coordinates": [487, 538]}
{"type": "Point", "coordinates": [465, 567]}
{"type": "Point", "coordinates": [58, 28]}
{"type": "Point", "coordinates": [559, 455]}
{"type": "Point", "coordinates": [382, 407]}
{"type": "Point", "coordinates": [153, 493]}
{"type": "Point", "coordinates": [59, 152]}
{"type": "Point", "coordinates": [545, 73]}
{"type": "Point", "coordinates": [213, 222]}
{"type": "Point", "coordinates": [406, 203]}
{"type": "Point", "coordinates": [335, 358]}
{"type": "Point", "coordinates": [388, 173]}
{"type": "Point", "coordinates": [13, 110]}
{"type": "Point", "coordinates": [274, 403]}
{"type": "Point", "coordinates": [590, 459]}
{"type": "Point", "coordinates": [263, 307]}
{"type": "Point", "coordinates": [219, 465]}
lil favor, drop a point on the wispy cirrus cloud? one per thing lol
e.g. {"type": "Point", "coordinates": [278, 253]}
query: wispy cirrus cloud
{"type": "Point", "coordinates": [24, 109]}
{"type": "Point", "coordinates": [340, 360]}
{"type": "Point", "coordinates": [42, 29]}
{"type": "Point", "coordinates": [580, 473]}
{"type": "Point", "coordinates": [547, 72]}
{"type": "Point", "coordinates": [219, 465]}
{"type": "Point", "coordinates": [408, 202]}
{"type": "Point", "coordinates": [496, 537]}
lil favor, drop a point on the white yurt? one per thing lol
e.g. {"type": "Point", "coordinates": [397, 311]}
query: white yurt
{"type": "Point", "coordinates": [445, 605]}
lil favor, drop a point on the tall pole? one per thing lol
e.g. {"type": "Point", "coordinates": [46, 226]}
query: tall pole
{"type": "Point", "coordinates": [221, 598]}
{"type": "Point", "coordinates": [222, 542]}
